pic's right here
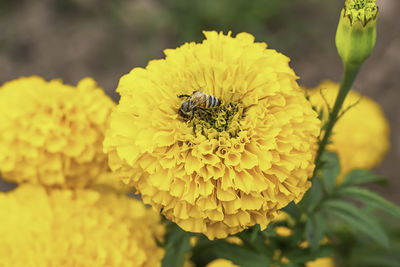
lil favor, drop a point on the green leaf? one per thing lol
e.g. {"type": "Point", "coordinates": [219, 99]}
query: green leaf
{"type": "Point", "coordinates": [297, 236]}
{"type": "Point", "coordinates": [268, 232]}
{"type": "Point", "coordinates": [315, 194]}
{"type": "Point", "coordinates": [299, 255]}
{"type": "Point", "coordinates": [239, 255]}
{"type": "Point", "coordinates": [254, 232]}
{"type": "Point", "coordinates": [253, 240]}
{"type": "Point", "coordinates": [370, 199]}
{"type": "Point", "coordinates": [312, 197]}
{"type": "Point", "coordinates": [356, 219]}
{"type": "Point", "coordinates": [177, 244]}
{"type": "Point", "coordinates": [377, 260]}
{"type": "Point", "coordinates": [315, 230]}
{"type": "Point", "coordinates": [362, 177]}
{"type": "Point", "coordinates": [293, 210]}
{"type": "Point", "coordinates": [330, 170]}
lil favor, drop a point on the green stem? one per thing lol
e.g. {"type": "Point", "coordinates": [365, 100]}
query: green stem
{"type": "Point", "coordinates": [349, 75]}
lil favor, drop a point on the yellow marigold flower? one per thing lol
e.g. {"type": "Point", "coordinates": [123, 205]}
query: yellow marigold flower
{"type": "Point", "coordinates": [321, 262]}
{"type": "Point", "coordinates": [361, 136]}
{"type": "Point", "coordinates": [234, 240]}
{"type": "Point", "coordinates": [64, 227]}
{"type": "Point", "coordinates": [187, 262]}
{"type": "Point", "coordinates": [227, 167]}
{"type": "Point", "coordinates": [283, 231]}
{"type": "Point", "coordinates": [52, 133]}
{"type": "Point", "coordinates": [221, 263]}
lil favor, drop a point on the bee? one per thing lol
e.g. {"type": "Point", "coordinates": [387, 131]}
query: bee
{"type": "Point", "coordinates": [197, 100]}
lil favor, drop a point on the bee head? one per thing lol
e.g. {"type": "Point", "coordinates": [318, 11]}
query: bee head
{"type": "Point", "coordinates": [186, 110]}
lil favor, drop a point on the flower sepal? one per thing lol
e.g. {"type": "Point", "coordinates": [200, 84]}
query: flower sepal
{"type": "Point", "coordinates": [356, 32]}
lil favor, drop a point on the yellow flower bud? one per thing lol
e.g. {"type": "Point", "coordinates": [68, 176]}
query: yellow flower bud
{"type": "Point", "coordinates": [356, 32]}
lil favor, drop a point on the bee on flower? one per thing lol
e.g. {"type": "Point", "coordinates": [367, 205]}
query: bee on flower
{"type": "Point", "coordinates": [197, 100]}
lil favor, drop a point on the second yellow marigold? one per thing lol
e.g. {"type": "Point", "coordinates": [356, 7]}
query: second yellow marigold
{"type": "Point", "coordinates": [52, 133]}
{"type": "Point", "coordinates": [77, 228]}
{"type": "Point", "coordinates": [361, 135]}
{"type": "Point", "coordinates": [228, 167]}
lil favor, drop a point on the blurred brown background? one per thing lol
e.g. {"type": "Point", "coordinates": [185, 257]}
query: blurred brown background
{"type": "Point", "coordinates": [71, 39]}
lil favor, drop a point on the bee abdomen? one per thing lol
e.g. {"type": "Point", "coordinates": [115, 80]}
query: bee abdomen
{"type": "Point", "coordinates": [213, 101]}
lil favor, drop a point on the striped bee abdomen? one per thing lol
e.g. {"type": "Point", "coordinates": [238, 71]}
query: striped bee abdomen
{"type": "Point", "coordinates": [213, 101]}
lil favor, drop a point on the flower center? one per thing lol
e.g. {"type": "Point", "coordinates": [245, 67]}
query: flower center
{"type": "Point", "coordinates": [363, 10]}
{"type": "Point", "coordinates": [212, 121]}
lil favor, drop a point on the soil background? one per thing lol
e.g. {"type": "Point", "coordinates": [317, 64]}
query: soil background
{"type": "Point", "coordinates": [72, 39]}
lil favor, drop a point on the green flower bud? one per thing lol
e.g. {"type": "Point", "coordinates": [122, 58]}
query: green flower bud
{"type": "Point", "coordinates": [356, 32]}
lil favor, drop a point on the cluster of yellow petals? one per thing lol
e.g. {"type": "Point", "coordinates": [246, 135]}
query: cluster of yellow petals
{"type": "Point", "coordinates": [52, 133]}
{"type": "Point", "coordinates": [321, 262]}
{"type": "Point", "coordinates": [221, 263]}
{"type": "Point", "coordinates": [361, 135]}
{"type": "Point", "coordinates": [216, 182]}
{"type": "Point", "coordinates": [63, 227]}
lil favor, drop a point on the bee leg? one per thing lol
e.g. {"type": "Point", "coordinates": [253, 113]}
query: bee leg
{"type": "Point", "coordinates": [180, 96]}
{"type": "Point", "coordinates": [205, 110]}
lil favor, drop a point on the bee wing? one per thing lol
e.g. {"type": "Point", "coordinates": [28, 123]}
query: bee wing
{"type": "Point", "coordinates": [199, 99]}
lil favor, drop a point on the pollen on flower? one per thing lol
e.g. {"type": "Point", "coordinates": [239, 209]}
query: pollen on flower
{"type": "Point", "coordinates": [211, 122]}
{"type": "Point", "coordinates": [52, 133]}
{"type": "Point", "coordinates": [227, 167]}
{"type": "Point", "coordinates": [80, 227]}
